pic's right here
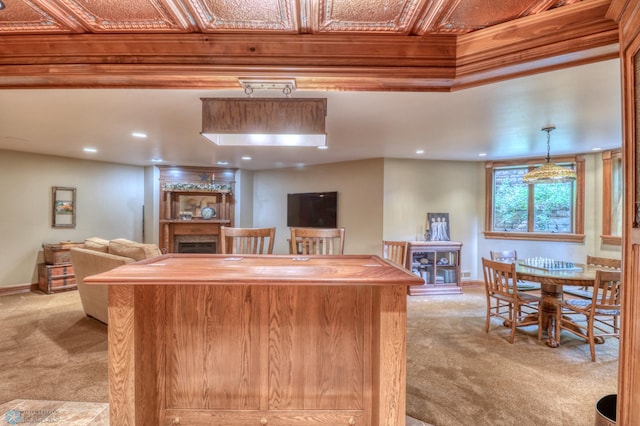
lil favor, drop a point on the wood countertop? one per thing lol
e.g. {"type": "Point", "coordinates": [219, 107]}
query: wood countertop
{"type": "Point", "coordinates": [218, 269]}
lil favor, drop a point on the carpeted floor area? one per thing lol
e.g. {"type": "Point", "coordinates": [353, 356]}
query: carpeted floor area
{"type": "Point", "coordinates": [457, 375]}
{"type": "Point", "coordinates": [50, 350]}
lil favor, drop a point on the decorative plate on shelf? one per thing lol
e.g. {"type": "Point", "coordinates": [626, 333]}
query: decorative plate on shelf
{"type": "Point", "coordinates": [208, 213]}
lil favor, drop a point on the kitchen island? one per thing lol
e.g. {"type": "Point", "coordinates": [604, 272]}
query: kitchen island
{"type": "Point", "coordinates": [264, 340]}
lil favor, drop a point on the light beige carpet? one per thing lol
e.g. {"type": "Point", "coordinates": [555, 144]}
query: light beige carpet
{"type": "Point", "coordinates": [459, 375]}
{"type": "Point", "coordinates": [49, 350]}
{"type": "Point", "coordinates": [456, 374]}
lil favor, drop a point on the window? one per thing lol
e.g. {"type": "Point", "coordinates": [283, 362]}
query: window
{"type": "Point", "coordinates": [612, 197]}
{"type": "Point", "coordinates": [552, 211]}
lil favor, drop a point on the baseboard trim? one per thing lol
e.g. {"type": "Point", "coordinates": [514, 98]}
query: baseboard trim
{"type": "Point", "coordinates": [17, 289]}
{"type": "Point", "coordinates": [470, 283]}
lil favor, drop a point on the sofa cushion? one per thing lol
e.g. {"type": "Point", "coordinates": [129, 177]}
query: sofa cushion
{"type": "Point", "coordinates": [132, 249]}
{"type": "Point", "coordinates": [97, 244]}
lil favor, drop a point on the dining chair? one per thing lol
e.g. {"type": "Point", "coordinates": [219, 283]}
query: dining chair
{"type": "Point", "coordinates": [596, 317]}
{"type": "Point", "coordinates": [515, 308]}
{"type": "Point", "coordinates": [395, 251]}
{"type": "Point", "coordinates": [586, 292]}
{"type": "Point", "coordinates": [246, 240]}
{"type": "Point", "coordinates": [321, 241]}
{"type": "Point", "coordinates": [511, 256]}
{"type": "Point", "coordinates": [605, 262]}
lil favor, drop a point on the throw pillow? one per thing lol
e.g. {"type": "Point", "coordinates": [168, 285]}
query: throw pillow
{"type": "Point", "coordinates": [97, 244]}
{"type": "Point", "coordinates": [127, 248]}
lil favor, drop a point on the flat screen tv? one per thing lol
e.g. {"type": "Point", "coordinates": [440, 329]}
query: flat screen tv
{"type": "Point", "coordinates": [312, 210]}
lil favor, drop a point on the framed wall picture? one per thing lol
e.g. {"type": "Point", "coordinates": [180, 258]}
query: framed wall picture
{"type": "Point", "coordinates": [438, 226]}
{"type": "Point", "coordinates": [63, 209]}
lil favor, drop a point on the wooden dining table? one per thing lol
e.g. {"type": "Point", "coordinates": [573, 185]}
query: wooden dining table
{"type": "Point", "coordinates": [552, 282]}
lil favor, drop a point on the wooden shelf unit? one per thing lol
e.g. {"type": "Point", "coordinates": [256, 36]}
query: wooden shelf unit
{"type": "Point", "coordinates": [438, 264]}
{"type": "Point", "coordinates": [190, 189]}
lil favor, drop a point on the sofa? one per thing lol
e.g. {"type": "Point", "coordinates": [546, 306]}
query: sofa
{"type": "Point", "coordinates": [100, 255]}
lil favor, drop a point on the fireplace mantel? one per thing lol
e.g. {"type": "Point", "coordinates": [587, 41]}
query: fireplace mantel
{"type": "Point", "coordinates": [185, 192]}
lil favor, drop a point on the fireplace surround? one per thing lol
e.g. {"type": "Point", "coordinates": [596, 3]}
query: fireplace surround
{"type": "Point", "coordinates": [196, 244]}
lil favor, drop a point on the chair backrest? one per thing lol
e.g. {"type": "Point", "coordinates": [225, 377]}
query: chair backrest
{"type": "Point", "coordinates": [395, 251]}
{"type": "Point", "coordinates": [604, 262]}
{"type": "Point", "coordinates": [246, 240]}
{"type": "Point", "coordinates": [504, 255]}
{"type": "Point", "coordinates": [328, 241]}
{"type": "Point", "coordinates": [498, 278]}
{"type": "Point", "coordinates": [607, 291]}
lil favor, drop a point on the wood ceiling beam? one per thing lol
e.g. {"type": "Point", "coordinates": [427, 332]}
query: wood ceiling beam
{"type": "Point", "coordinates": [567, 36]}
{"type": "Point", "coordinates": [573, 34]}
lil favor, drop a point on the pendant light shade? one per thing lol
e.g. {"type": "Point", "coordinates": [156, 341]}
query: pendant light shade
{"type": "Point", "coordinates": [549, 172]}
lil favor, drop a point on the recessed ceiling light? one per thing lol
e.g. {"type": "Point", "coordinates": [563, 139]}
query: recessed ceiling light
{"type": "Point", "coordinates": [139, 135]}
{"type": "Point", "coordinates": [246, 157]}
{"type": "Point", "coordinates": [420, 151]}
{"type": "Point", "coordinates": [596, 149]}
{"type": "Point", "coordinates": [157, 160]}
{"type": "Point", "coordinates": [87, 149]}
{"type": "Point", "coordinates": [482, 154]}
{"type": "Point", "coordinates": [223, 163]}
{"type": "Point", "coordinates": [323, 147]}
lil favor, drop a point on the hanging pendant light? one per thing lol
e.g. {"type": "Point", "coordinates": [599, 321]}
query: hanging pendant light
{"type": "Point", "coordinates": [549, 172]}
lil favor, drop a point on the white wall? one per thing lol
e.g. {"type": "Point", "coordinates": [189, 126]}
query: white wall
{"type": "Point", "coordinates": [377, 199]}
{"type": "Point", "coordinates": [389, 199]}
{"type": "Point", "coordinates": [413, 188]}
{"type": "Point", "coordinates": [244, 199]}
{"type": "Point", "coordinates": [151, 229]}
{"type": "Point", "coordinates": [109, 204]}
{"type": "Point", "coordinates": [360, 198]}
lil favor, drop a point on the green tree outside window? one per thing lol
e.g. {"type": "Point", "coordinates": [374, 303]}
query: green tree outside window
{"type": "Point", "coordinates": [551, 206]}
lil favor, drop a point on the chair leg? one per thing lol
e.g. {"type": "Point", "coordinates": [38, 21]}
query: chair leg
{"type": "Point", "coordinates": [486, 325]}
{"type": "Point", "coordinates": [539, 322]}
{"type": "Point", "coordinates": [514, 321]}
{"type": "Point", "coordinates": [558, 324]}
{"type": "Point", "coordinates": [592, 339]}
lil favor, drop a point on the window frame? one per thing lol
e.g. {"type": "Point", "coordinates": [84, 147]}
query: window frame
{"type": "Point", "coordinates": [577, 236]}
{"type": "Point", "coordinates": [608, 158]}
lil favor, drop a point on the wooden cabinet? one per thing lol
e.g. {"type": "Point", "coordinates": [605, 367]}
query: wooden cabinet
{"type": "Point", "coordinates": [438, 264]}
{"type": "Point", "coordinates": [194, 204]}
{"type": "Point", "coordinates": [257, 340]}
{"type": "Point", "coordinates": [55, 278]}
{"type": "Point", "coordinates": [184, 225]}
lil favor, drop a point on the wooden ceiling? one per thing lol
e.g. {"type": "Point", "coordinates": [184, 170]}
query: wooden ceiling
{"type": "Point", "coordinates": [423, 45]}
{"type": "Point", "coordinates": [404, 17]}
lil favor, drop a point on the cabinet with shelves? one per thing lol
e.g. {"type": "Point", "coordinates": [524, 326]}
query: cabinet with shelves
{"type": "Point", "coordinates": [185, 218]}
{"type": "Point", "coordinates": [194, 204]}
{"type": "Point", "coordinates": [438, 264]}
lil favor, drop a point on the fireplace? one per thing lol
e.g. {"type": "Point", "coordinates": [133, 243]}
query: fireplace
{"type": "Point", "coordinates": [196, 244]}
